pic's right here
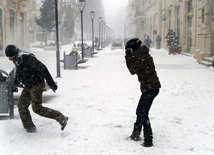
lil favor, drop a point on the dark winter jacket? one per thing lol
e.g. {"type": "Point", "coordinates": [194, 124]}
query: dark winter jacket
{"type": "Point", "coordinates": [148, 42]}
{"type": "Point", "coordinates": [30, 71]}
{"type": "Point", "coordinates": [141, 63]}
{"type": "Point", "coordinates": [158, 39]}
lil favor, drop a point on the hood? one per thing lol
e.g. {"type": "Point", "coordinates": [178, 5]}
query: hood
{"type": "Point", "coordinates": [142, 50]}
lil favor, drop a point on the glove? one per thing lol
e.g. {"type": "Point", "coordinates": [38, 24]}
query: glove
{"type": "Point", "coordinates": [14, 88]}
{"type": "Point", "coordinates": [20, 85]}
{"type": "Point", "coordinates": [54, 87]}
{"type": "Point", "coordinates": [128, 51]}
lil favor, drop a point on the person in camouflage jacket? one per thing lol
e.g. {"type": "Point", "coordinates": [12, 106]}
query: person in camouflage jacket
{"type": "Point", "coordinates": [31, 75]}
{"type": "Point", "coordinates": [140, 62]}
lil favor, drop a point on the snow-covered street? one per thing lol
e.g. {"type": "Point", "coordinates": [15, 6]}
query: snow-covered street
{"type": "Point", "coordinates": [100, 99]}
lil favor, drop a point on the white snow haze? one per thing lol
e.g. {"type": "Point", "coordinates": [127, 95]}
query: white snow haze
{"type": "Point", "coordinates": [115, 13]}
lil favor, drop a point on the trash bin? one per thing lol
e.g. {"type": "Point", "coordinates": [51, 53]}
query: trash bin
{"type": "Point", "coordinates": [70, 60]}
{"type": "Point", "coordinates": [6, 95]}
{"type": "Point", "coordinates": [88, 53]}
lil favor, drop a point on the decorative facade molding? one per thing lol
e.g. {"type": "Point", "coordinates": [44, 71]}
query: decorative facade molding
{"type": "Point", "coordinates": [17, 23]}
{"type": "Point", "coordinates": [192, 20]}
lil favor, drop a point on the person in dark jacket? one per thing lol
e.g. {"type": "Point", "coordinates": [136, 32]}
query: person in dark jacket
{"type": "Point", "coordinates": [148, 42]}
{"type": "Point", "coordinates": [140, 62]}
{"type": "Point", "coordinates": [31, 75]}
{"type": "Point", "coordinates": [158, 40]}
{"type": "Point", "coordinates": [213, 62]}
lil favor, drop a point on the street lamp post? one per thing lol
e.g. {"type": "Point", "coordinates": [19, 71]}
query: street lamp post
{"type": "Point", "coordinates": [57, 40]}
{"type": "Point", "coordinates": [100, 21]}
{"type": "Point", "coordinates": [102, 35]}
{"type": "Point", "coordinates": [107, 35]}
{"type": "Point", "coordinates": [92, 15]}
{"type": "Point", "coordinates": [81, 5]}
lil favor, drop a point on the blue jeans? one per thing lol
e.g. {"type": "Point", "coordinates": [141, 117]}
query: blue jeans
{"type": "Point", "coordinates": [144, 106]}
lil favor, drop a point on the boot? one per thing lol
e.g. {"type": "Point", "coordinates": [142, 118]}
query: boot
{"type": "Point", "coordinates": [63, 122]}
{"type": "Point", "coordinates": [147, 137]}
{"type": "Point", "coordinates": [136, 132]}
{"type": "Point", "coordinates": [31, 129]}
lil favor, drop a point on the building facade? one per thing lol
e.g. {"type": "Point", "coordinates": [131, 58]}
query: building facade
{"type": "Point", "coordinates": [17, 23]}
{"type": "Point", "coordinates": [192, 20]}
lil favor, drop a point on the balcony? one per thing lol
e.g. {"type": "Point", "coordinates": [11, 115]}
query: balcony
{"type": "Point", "coordinates": [139, 15]}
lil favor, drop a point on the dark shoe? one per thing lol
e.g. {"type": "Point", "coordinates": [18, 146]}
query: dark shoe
{"type": "Point", "coordinates": [136, 132]}
{"type": "Point", "coordinates": [63, 123]}
{"type": "Point", "coordinates": [31, 129]}
{"type": "Point", "coordinates": [147, 144]}
{"type": "Point", "coordinates": [147, 137]}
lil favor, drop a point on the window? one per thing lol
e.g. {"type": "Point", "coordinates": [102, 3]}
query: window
{"type": "Point", "coordinates": [170, 20]}
{"type": "Point", "coordinates": [189, 6]}
{"type": "Point", "coordinates": [12, 25]}
{"type": "Point", "coordinates": [22, 28]}
{"type": "Point", "coordinates": [178, 22]}
{"type": "Point", "coordinates": [202, 15]}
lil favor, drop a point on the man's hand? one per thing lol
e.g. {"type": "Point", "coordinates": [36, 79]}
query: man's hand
{"type": "Point", "coordinates": [20, 85]}
{"type": "Point", "coordinates": [54, 87]}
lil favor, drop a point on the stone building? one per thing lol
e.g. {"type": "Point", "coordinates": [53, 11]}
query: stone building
{"type": "Point", "coordinates": [17, 23]}
{"type": "Point", "coordinates": [192, 20]}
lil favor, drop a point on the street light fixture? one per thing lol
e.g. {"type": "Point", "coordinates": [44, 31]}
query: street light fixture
{"type": "Point", "coordinates": [92, 15]}
{"type": "Point", "coordinates": [81, 5]}
{"type": "Point", "coordinates": [108, 35]}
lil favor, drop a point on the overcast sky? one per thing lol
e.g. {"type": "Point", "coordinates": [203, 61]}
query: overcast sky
{"type": "Point", "coordinates": [115, 13]}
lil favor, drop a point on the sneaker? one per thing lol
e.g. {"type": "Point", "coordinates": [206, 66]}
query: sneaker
{"type": "Point", "coordinates": [63, 123]}
{"type": "Point", "coordinates": [31, 129]}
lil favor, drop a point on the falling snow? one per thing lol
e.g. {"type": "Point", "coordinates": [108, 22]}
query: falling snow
{"type": "Point", "coordinates": [100, 99]}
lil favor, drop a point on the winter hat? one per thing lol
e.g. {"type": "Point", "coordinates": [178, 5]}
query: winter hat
{"type": "Point", "coordinates": [11, 50]}
{"type": "Point", "coordinates": [134, 44]}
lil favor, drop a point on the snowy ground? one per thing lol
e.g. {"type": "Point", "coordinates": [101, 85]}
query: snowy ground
{"type": "Point", "coordinates": [100, 99]}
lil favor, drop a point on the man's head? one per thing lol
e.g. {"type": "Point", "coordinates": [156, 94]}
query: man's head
{"type": "Point", "coordinates": [134, 44]}
{"type": "Point", "coordinates": [11, 51]}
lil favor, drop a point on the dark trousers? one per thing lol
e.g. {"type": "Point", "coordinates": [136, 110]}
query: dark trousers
{"type": "Point", "coordinates": [33, 95]}
{"type": "Point", "coordinates": [144, 106]}
{"type": "Point", "coordinates": [158, 45]}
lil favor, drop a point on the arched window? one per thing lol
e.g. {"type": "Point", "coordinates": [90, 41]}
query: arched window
{"type": "Point", "coordinates": [22, 19]}
{"type": "Point", "coordinates": [178, 22]}
{"type": "Point", "coordinates": [170, 20]}
{"type": "Point", "coordinates": [1, 30]}
{"type": "Point", "coordinates": [202, 15]}
{"type": "Point", "coordinates": [12, 26]}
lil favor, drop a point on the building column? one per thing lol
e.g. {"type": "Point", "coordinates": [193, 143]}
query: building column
{"type": "Point", "coordinates": [183, 25]}
{"type": "Point", "coordinates": [194, 27]}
